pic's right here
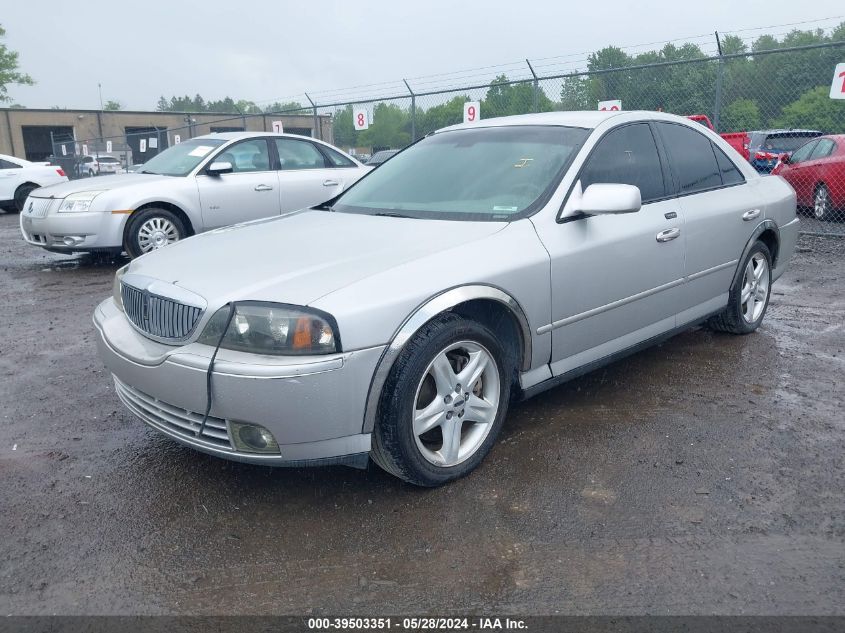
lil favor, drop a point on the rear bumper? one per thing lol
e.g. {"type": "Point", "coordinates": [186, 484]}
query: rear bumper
{"type": "Point", "coordinates": [313, 406]}
{"type": "Point", "coordinates": [73, 232]}
{"type": "Point", "coordinates": [788, 237]}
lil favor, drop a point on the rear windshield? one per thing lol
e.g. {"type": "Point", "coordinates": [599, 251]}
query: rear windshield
{"type": "Point", "coordinates": [782, 142]}
{"type": "Point", "coordinates": [107, 159]}
{"type": "Point", "coordinates": [495, 174]}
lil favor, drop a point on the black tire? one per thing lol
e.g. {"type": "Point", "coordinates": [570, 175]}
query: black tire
{"type": "Point", "coordinates": [822, 208]}
{"type": "Point", "coordinates": [394, 443]}
{"type": "Point", "coordinates": [132, 238]}
{"type": "Point", "coordinates": [91, 173]}
{"type": "Point", "coordinates": [732, 320]}
{"type": "Point", "coordinates": [22, 193]}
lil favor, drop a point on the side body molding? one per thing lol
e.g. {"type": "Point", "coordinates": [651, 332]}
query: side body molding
{"type": "Point", "coordinates": [422, 315]}
{"type": "Point", "coordinates": [758, 231]}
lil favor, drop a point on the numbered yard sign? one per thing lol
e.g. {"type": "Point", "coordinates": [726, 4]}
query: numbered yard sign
{"type": "Point", "coordinates": [142, 145]}
{"type": "Point", "coordinates": [837, 88]}
{"type": "Point", "coordinates": [177, 139]}
{"type": "Point", "coordinates": [277, 127]}
{"type": "Point", "coordinates": [108, 147]}
{"type": "Point", "coordinates": [614, 105]}
{"type": "Point", "coordinates": [360, 119]}
{"type": "Point", "coordinates": [84, 149]}
{"type": "Point", "coordinates": [472, 111]}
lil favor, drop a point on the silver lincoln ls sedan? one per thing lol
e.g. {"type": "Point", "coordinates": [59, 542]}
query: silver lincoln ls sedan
{"type": "Point", "coordinates": [486, 263]}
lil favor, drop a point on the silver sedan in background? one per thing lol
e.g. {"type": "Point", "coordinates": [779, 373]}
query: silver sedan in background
{"type": "Point", "coordinates": [201, 184]}
{"type": "Point", "coordinates": [487, 262]}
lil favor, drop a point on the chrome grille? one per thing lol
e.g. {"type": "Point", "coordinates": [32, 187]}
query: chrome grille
{"type": "Point", "coordinates": [159, 316]}
{"type": "Point", "coordinates": [37, 207]}
{"type": "Point", "coordinates": [174, 420]}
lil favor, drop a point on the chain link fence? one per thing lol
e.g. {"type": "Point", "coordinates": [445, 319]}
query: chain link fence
{"type": "Point", "coordinates": [773, 105]}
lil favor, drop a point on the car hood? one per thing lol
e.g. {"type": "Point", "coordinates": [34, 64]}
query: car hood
{"type": "Point", "coordinates": [301, 257]}
{"type": "Point", "coordinates": [99, 183]}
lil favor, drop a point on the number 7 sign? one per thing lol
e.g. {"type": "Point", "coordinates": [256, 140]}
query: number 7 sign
{"type": "Point", "coordinates": [837, 87]}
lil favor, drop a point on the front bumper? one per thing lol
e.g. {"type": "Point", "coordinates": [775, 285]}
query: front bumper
{"type": "Point", "coordinates": [73, 232]}
{"type": "Point", "coordinates": [313, 406]}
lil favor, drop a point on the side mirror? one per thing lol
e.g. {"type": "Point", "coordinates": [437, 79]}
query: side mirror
{"type": "Point", "coordinates": [600, 199]}
{"type": "Point", "coordinates": [219, 167]}
{"type": "Point", "coordinates": [784, 158]}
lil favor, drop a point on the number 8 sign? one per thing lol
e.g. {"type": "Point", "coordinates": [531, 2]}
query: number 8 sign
{"type": "Point", "coordinates": [360, 119]}
{"type": "Point", "coordinates": [472, 111]}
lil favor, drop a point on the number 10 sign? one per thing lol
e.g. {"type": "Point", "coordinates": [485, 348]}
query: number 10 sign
{"type": "Point", "coordinates": [837, 88]}
{"type": "Point", "coordinates": [360, 119]}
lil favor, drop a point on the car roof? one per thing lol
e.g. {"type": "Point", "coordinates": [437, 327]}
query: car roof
{"type": "Point", "coordinates": [800, 132]}
{"type": "Point", "coordinates": [588, 119]}
{"type": "Point", "coordinates": [231, 136]}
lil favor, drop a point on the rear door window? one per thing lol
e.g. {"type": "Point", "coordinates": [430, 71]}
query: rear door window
{"type": "Point", "coordinates": [728, 170]}
{"type": "Point", "coordinates": [628, 156]}
{"type": "Point", "coordinates": [691, 158]}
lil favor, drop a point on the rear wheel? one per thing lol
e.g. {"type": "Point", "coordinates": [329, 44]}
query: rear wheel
{"type": "Point", "coordinates": [443, 404]}
{"type": "Point", "coordinates": [151, 229]}
{"type": "Point", "coordinates": [22, 193]}
{"type": "Point", "coordinates": [750, 298]}
{"type": "Point", "coordinates": [821, 203]}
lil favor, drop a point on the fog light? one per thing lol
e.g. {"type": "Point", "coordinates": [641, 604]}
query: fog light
{"type": "Point", "coordinates": [73, 240]}
{"type": "Point", "coordinates": [252, 438]}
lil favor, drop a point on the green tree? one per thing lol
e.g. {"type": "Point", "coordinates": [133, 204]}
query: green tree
{"type": "Point", "coordinates": [742, 114]}
{"type": "Point", "coordinates": [9, 73]}
{"type": "Point", "coordinates": [441, 115]}
{"type": "Point", "coordinates": [113, 105]}
{"type": "Point", "coordinates": [286, 106]}
{"type": "Point", "coordinates": [343, 128]}
{"type": "Point", "coordinates": [390, 127]}
{"type": "Point", "coordinates": [816, 110]}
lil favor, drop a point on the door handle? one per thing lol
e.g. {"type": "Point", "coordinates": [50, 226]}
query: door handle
{"type": "Point", "coordinates": [668, 235]}
{"type": "Point", "coordinates": [750, 215]}
{"type": "Point", "coordinates": [330, 183]}
{"type": "Point", "coordinates": [263, 188]}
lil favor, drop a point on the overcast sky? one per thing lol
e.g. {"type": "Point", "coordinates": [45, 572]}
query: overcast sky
{"type": "Point", "coordinates": [266, 50]}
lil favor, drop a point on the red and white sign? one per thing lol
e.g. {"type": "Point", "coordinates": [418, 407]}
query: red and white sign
{"type": "Point", "coordinates": [177, 139]}
{"type": "Point", "coordinates": [277, 127]}
{"type": "Point", "coordinates": [614, 105]}
{"type": "Point", "coordinates": [360, 119]}
{"type": "Point", "coordinates": [837, 88]}
{"type": "Point", "coordinates": [142, 145]}
{"type": "Point", "coordinates": [108, 147]}
{"type": "Point", "coordinates": [472, 111]}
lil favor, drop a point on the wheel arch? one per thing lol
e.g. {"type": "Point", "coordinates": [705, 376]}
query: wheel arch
{"type": "Point", "coordinates": [768, 233]}
{"type": "Point", "coordinates": [169, 206]}
{"type": "Point", "coordinates": [489, 305]}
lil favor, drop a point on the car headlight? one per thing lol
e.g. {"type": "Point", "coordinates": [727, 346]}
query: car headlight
{"type": "Point", "coordinates": [272, 328]}
{"type": "Point", "coordinates": [116, 294]}
{"type": "Point", "coordinates": [78, 202]}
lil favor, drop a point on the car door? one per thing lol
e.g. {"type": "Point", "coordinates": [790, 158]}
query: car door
{"type": "Point", "coordinates": [796, 173]}
{"type": "Point", "coordinates": [9, 179]}
{"type": "Point", "coordinates": [616, 278]}
{"type": "Point", "coordinates": [249, 192]}
{"type": "Point", "coordinates": [720, 212]}
{"type": "Point", "coordinates": [305, 177]}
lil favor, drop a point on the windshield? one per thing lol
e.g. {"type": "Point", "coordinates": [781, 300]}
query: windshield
{"type": "Point", "coordinates": [496, 173]}
{"type": "Point", "coordinates": [181, 159]}
{"type": "Point", "coordinates": [787, 143]}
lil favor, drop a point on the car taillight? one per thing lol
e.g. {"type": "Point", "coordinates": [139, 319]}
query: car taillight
{"type": "Point", "coordinates": [61, 172]}
{"type": "Point", "coordinates": [765, 156]}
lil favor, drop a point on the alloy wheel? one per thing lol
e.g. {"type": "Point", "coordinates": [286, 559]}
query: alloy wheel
{"type": "Point", "coordinates": [821, 203]}
{"type": "Point", "coordinates": [755, 288]}
{"type": "Point", "coordinates": [456, 403]}
{"type": "Point", "coordinates": [156, 233]}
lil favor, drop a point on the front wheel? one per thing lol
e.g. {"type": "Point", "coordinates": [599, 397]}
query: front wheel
{"type": "Point", "coordinates": [151, 229]}
{"type": "Point", "coordinates": [22, 193]}
{"type": "Point", "coordinates": [443, 404]}
{"type": "Point", "coordinates": [749, 300]}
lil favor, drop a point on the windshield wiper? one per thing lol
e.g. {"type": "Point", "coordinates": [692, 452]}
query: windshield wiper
{"type": "Point", "coordinates": [391, 214]}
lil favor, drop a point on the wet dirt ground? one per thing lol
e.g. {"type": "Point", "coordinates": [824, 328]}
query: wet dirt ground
{"type": "Point", "coordinates": [701, 476]}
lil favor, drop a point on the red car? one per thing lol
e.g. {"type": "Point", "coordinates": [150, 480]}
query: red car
{"type": "Point", "coordinates": [816, 171]}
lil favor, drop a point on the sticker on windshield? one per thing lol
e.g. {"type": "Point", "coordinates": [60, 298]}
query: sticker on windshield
{"type": "Point", "coordinates": [201, 150]}
{"type": "Point", "coordinates": [501, 208]}
{"type": "Point", "coordinates": [523, 162]}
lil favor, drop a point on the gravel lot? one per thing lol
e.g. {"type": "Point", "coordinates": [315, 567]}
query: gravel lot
{"type": "Point", "coordinates": [702, 476]}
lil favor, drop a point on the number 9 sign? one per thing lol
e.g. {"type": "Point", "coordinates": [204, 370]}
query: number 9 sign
{"type": "Point", "coordinates": [360, 119]}
{"type": "Point", "coordinates": [472, 111]}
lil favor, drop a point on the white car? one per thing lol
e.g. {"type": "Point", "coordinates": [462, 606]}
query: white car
{"type": "Point", "coordinates": [19, 178]}
{"type": "Point", "coordinates": [98, 165]}
{"type": "Point", "coordinates": [204, 183]}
